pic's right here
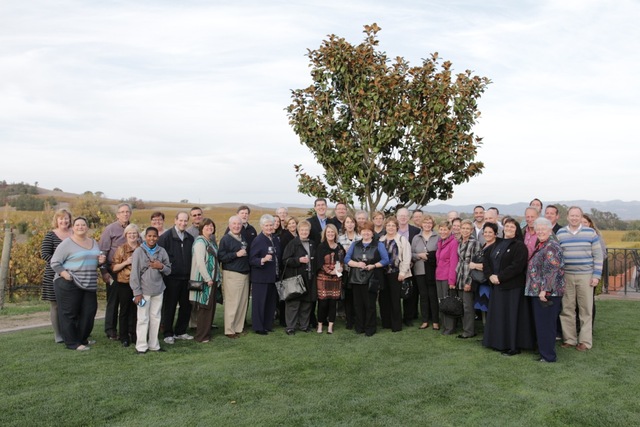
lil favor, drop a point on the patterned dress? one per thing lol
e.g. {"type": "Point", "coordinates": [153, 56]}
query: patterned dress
{"type": "Point", "coordinates": [49, 245]}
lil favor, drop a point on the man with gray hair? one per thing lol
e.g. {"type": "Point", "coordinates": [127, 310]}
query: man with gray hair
{"type": "Point", "coordinates": [111, 239]}
{"type": "Point", "coordinates": [234, 258]}
{"type": "Point", "coordinates": [583, 259]}
{"type": "Point", "coordinates": [282, 213]}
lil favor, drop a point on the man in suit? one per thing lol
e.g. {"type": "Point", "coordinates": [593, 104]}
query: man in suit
{"type": "Point", "coordinates": [552, 214]}
{"type": "Point", "coordinates": [319, 221]}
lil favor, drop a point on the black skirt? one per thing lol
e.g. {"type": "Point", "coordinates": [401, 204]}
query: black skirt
{"type": "Point", "coordinates": [510, 323]}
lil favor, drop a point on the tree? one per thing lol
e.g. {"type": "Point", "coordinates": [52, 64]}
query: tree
{"type": "Point", "coordinates": [93, 208]}
{"type": "Point", "coordinates": [383, 130]}
{"type": "Point", "coordinates": [607, 220]}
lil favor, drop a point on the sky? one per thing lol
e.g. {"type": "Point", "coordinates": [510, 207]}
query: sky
{"type": "Point", "coordinates": [166, 100]}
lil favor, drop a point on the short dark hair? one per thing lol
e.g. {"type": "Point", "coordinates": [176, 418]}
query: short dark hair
{"type": "Point", "coordinates": [157, 214]}
{"type": "Point", "coordinates": [195, 208]}
{"type": "Point", "coordinates": [148, 229]}
{"type": "Point", "coordinates": [242, 208]}
{"type": "Point", "coordinates": [519, 234]}
{"type": "Point", "coordinates": [319, 199]}
{"type": "Point", "coordinates": [204, 223]}
{"type": "Point", "coordinates": [417, 210]}
{"type": "Point", "coordinates": [554, 207]}
{"type": "Point", "coordinates": [490, 225]}
{"type": "Point", "coordinates": [495, 209]}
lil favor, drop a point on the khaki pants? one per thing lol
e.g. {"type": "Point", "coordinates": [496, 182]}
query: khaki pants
{"type": "Point", "coordinates": [235, 288]}
{"type": "Point", "coordinates": [578, 292]}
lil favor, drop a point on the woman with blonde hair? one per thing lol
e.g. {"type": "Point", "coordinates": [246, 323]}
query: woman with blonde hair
{"type": "Point", "coordinates": [61, 224]}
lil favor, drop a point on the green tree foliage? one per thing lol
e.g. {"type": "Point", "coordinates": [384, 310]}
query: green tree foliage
{"type": "Point", "coordinates": [94, 208]}
{"type": "Point", "coordinates": [27, 202]}
{"type": "Point", "coordinates": [383, 130]}
{"type": "Point", "coordinates": [134, 202]}
{"type": "Point", "coordinates": [607, 220]}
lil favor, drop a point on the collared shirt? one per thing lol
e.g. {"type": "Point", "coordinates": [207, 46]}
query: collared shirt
{"type": "Point", "coordinates": [180, 233]}
{"type": "Point", "coordinates": [112, 238]}
{"type": "Point", "coordinates": [323, 222]}
{"type": "Point", "coordinates": [404, 232]}
{"type": "Point", "coordinates": [530, 239]}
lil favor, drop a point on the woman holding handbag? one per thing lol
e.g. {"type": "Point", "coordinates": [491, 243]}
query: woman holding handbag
{"type": "Point", "coordinates": [399, 268]}
{"type": "Point", "coordinates": [298, 260]}
{"type": "Point", "coordinates": [205, 268]}
{"type": "Point", "coordinates": [447, 261]}
{"type": "Point", "coordinates": [329, 265]}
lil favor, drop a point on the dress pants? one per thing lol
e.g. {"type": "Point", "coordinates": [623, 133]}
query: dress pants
{"type": "Point", "coordinates": [263, 306]}
{"type": "Point", "coordinates": [111, 312]}
{"type": "Point", "coordinates": [297, 314]}
{"type": "Point", "coordinates": [349, 310]}
{"type": "Point", "coordinates": [429, 307]}
{"type": "Point", "coordinates": [442, 289]}
{"type": "Point", "coordinates": [390, 306]}
{"type": "Point", "coordinates": [127, 317]}
{"type": "Point", "coordinates": [176, 292]}
{"type": "Point", "coordinates": [76, 312]}
{"type": "Point", "coordinates": [546, 320]}
{"type": "Point", "coordinates": [468, 317]}
{"type": "Point", "coordinates": [205, 316]}
{"type": "Point", "coordinates": [235, 287]}
{"type": "Point", "coordinates": [410, 305]}
{"type": "Point", "coordinates": [364, 303]}
{"type": "Point", "coordinates": [578, 291]}
{"type": "Point", "coordinates": [149, 323]}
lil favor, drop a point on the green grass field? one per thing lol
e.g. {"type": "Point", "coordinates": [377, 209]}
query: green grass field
{"type": "Point", "coordinates": [397, 379]}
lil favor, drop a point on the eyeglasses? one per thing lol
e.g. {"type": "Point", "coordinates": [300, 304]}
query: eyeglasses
{"type": "Point", "coordinates": [196, 214]}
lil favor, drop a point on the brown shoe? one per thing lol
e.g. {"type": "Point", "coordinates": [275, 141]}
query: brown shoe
{"type": "Point", "coordinates": [567, 345]}
{"type": "Point", "coordinates": [581, 347]}
{"type": "Point", "coordinates": [232, 336]}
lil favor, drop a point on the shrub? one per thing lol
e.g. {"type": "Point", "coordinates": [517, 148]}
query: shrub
{"type": "Point", "coordinates": [631, 236]}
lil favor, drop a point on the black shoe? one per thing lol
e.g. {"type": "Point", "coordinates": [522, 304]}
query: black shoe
{"type": "Point", "coordinates": [464, 337]}
{"type": "Point", "coordinates": [291, 332]}
{"type": "Point", "coordinates": [140, 353]}
{"type": "Point", "coordinates": [510, 353]}
{"type": "Point", "coordinates": [125, 343]}
{"type": "Point", "coordinates": [262, 332]}
{"type": "Point", "coordinates": [160, 350]}
{"type": "Point", "coordinates": [349, 326]}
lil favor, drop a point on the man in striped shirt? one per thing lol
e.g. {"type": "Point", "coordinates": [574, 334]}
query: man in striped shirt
{"type": "Point", "coordinates": [583, 259]}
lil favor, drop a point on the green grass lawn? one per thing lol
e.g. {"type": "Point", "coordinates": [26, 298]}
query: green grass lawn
{"type": "Point", "coordinates": [412, 378]}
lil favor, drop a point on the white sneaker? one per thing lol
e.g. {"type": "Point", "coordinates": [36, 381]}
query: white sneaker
{"type": "Point", "coordinates": [170, 340]}
{"type": "Point", "coordinates": [184, 337]}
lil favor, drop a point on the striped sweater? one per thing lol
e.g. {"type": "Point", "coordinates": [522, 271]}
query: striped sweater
{"type": "Point", "coordinates": [80, 262]}
{"type": "Point", "coordinates": [582, 251]}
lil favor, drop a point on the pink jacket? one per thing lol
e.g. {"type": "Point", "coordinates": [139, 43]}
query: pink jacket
{"type": "Point", "coordinates": [447, 260]}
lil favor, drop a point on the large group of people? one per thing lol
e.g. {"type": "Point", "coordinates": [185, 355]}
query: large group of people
{"type": "Point", "coordinates": [530, 284]}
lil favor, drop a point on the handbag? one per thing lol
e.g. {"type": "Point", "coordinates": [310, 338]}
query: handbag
{"type": "Point", "coordinates": [196, 285]}
{"type": "Point", "coordinates": [406, 288]}
{"type": "Point", "coordinates": [451, 305]}
{"type": "Point", "coordinates": [290, 288]}
{"type": "Point", "coordinates": [478, 275]}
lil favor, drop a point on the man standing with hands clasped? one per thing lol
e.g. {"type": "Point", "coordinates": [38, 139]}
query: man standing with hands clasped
{"type": "Point", "coordinates": [583, 259]}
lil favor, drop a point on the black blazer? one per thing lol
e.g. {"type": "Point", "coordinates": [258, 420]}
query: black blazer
{"type": "Point", "coordinates": [291, 259]}
{"type": "Point", "coordinates": [513, 265]}
{"type": "Point", "coordinates": [316, 228]}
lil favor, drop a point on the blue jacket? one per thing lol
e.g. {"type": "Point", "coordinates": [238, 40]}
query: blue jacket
{"type": "Point", "coordinates": [264, 273]}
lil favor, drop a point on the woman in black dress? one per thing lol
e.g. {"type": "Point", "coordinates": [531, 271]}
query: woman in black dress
{"type": "Point", "coordinates": [509, 325]}
{"type": "Point", "coordinates": [61, 230]}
